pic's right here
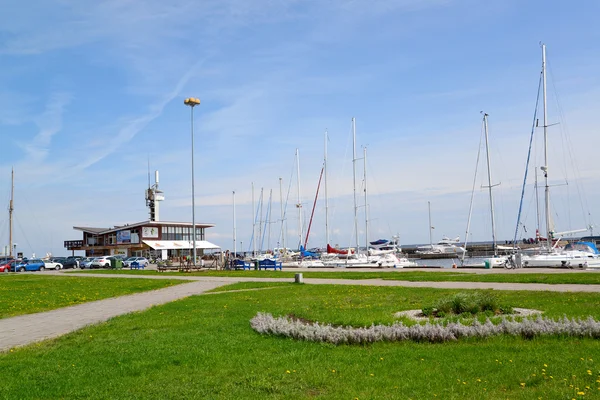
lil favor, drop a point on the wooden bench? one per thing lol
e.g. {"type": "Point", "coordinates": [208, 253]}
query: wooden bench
{"type": "Point", "coordinates": [166, 266]}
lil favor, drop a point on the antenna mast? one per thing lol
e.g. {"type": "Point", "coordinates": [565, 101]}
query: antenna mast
{"type": "Point", "coordinates": [10, 210]}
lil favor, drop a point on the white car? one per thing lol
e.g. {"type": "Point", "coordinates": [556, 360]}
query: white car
{"type": "Point", "coordinates": [48, 264]}
{"type": "Point", "coordinates": [142, 261]}
{"type": "Point", "coordinates": [101, 262]}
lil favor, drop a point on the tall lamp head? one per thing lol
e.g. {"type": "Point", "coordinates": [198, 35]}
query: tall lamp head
{"type": "Point", "coordinates": [192, 102]}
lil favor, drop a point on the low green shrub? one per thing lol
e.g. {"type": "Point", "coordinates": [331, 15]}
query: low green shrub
{"type": "Point", "coordinates": [467, 305]}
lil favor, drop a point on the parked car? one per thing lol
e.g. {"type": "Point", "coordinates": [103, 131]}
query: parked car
{"type": "Point", "coordinates": [51, 264]}
{"type": "Point", "coordinates": [6, 265]}
{"type": "Point", "coordinates": [142, 261]}
{"type": "Point", "coordinates": [66, 262]}
{"type": "Point", "coordinates": [101, 262]}
{"type": "Point", "coordinates": [34, 264]}
{"type": "Point", "coordinates": [85, 263]}
{"type": "Point", "coordinates": [77, 260]}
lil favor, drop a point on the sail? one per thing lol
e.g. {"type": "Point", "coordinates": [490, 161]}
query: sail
{"type": "Point", "coordinates": [333, 250]}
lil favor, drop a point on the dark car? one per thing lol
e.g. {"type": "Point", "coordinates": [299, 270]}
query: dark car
{"type": "Point", "coordinates": [76, 258]}
{"type": "Point", "coordinates": [66, 262]}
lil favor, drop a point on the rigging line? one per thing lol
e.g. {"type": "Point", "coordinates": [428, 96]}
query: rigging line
{"type": "Point", "coordinates": [24, 235]}
{"type": "Point", "coordinates": [373, 182]}
{"type": "Point", "coordinates": [462, 260]}
{"type": "Point", "coordinates": [313, 208]}
{"type": "Point", "coordinates": [569, 145]}
{"type": "Point", "coordinates": [267, 217]}
{"type": "Point", "coordinates": [282, 232]}
{"type": "Point", "coordinates": [287, 198]}
{"type": "Point", "coordinates": [537, 102]}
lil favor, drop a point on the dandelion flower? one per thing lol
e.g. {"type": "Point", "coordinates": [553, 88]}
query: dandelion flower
{"type": "Point", "coordinates": [287, 371]}
{"type": "Point", "coordinates": [522, 384]}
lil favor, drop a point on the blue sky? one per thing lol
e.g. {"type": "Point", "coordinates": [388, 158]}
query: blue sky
{"type": "Point", "coordinates": [91, 90]}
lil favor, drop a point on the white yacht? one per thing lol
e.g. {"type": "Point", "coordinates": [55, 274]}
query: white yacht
{"type": "Point", "coordinates": [446, 246]}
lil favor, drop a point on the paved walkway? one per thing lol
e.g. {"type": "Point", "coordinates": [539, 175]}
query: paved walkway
{"type": "Point", "coordinates": [369, 282]}
{"type": "Point", "coordinates": [26, 329]}
{"type": "Point", "coordinates": [30, 328]}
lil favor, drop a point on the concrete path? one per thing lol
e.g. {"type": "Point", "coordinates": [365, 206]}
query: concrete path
{"type": "Point", "coordinates": [372, 282]}
{"type": "Point", "coordinates": [26, 329]}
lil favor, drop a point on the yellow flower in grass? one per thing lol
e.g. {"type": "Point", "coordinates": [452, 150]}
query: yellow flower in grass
{"type": "Point", "coordinates": [581, 393]}
{"type": "Point", "coordinates": [287, 371]}
{"type": "Point", "coordinates": [522, 384]}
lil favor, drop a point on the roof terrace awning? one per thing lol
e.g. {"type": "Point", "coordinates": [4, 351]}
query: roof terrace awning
{"type": "Point", "coordinates": [179, 244]}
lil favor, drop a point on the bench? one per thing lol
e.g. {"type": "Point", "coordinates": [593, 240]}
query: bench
{"type": "Point", "coordinates": [166, 266]}
{"type": "Point", "coordinates": [136, 265]}
{"type": "Point", "coordinates": [239, 264]}
{"type": "Point", "coordinates": [267, 263]}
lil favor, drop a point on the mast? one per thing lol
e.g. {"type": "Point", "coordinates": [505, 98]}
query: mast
{"type": "Point", "coordinates": [366, 204]}
{"type": "Point", "coordinates": [10, 211]}
{"type": "Point", "coordinates": [234, 228]}
{"type": "Point", "coordinates": [260, 221]}
{"type": "Point", "coordinates": [253, 225]}
{"type": "Point", "coordinates": [269, 219]}
{"type": "Point", "coordinates": [326, 197]}
{"type": "Point", "coordinates": [545, 166]}
{"type": "Point", "coordinates": [282, 215]}
{"type": "Point", "coordinates": [354, 181]}
{"type": "Point", "coordinates": [430, 226]}
{"type": "Point", "coordinates": [489, 171]}
{"type": "Point", "coordinates": [299, 204]}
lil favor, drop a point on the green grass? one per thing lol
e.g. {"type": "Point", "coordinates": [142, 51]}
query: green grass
{"type": "Point", "coordinates": [249, 286]}
{"type": "Point", "coordinates": [26, 294]}
{"type": "Point", "coordinates": [582, 278]}
{"type": "Point", "coordinates": [202, 347]}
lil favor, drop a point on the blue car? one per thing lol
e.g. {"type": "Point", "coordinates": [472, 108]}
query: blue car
{"type": "Point", "coordinates": [34, 264]}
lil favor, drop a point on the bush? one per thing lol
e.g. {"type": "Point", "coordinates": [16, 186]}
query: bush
{"type": "Point", "coordinates": [427, 311]}
{"type": "Point", "coordinates": [466, 303]}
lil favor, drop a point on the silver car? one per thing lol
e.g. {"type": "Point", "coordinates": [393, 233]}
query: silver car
{"type": "Point", "coordinates": [86, 262]}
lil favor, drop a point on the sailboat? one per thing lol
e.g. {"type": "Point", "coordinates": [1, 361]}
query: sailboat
{"type": "Point", "coordinates": [578, 255]}
{"type": "Point", "coordinates": [351, 258]}
{"type": "Point", "coordinates": [496, 260]}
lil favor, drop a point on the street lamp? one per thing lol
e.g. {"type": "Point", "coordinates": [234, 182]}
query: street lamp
{"type": "Point", "coordinates": [192, 102]}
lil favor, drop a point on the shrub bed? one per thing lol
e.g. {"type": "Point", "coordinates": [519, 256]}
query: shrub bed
{"type": "Point", "coordinates": [298, 329]}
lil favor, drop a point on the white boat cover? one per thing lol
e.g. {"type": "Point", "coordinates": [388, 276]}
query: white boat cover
{"type": "Point", "coordinates": [179, 244]}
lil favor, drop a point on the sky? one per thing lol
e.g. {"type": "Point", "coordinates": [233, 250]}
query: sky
{"type": "Point", "coordinates": [91, 93]}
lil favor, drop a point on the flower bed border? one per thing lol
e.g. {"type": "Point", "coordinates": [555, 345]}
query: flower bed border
{"type": "Point", "coordinates": [266, 324]}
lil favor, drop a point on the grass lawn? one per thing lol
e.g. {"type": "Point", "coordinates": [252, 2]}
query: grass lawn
{"type": "Point", "coordinates": [27, 294]}
{"type": "Point", "coordinates": [203, 347]}
{"type": "Point", "coordinates": [584, 278]}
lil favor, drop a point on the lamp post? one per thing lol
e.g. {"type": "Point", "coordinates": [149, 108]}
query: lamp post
{"type": "Point", "coordinates": [192, 102]}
